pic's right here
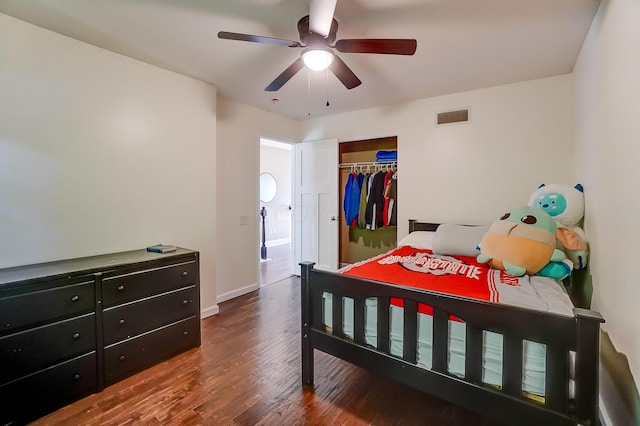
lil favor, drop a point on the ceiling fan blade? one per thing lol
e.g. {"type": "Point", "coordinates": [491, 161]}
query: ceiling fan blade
{"type": "Point", "coordinates": [285, 76]}
{"type": "Point", "coordinates": [344, 73]}
{"type": "Point", "coordinates": [321, 16]}
{"type": "Point", "coordinates": [388, 46]}
{"type": "Point", "coordinates": [257, 39]}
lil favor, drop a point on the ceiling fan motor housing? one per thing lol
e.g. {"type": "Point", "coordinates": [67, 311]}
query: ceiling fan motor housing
{"type": "Point", "coordinates": [310, 39]}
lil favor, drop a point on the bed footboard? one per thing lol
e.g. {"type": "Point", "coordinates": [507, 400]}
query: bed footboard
{"type": "Point", "coordinates": [305, 314]}
{"type": "Point", "coordinates": [562, 336]}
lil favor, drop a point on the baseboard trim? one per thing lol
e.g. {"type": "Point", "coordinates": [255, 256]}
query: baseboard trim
{"type": "Point", "coordinates": [278, 242]}
{"type": "Point", "coordinates": [238, 292]}
{"type": "Point", "coordinates": [605, 418]}
{"type": "Point", "coordinates": [210, 311]}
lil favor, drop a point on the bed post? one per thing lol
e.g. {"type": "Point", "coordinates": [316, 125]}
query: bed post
{"type": "Point", "coordinates": [587, 365]}
{"type": "Point", "coordinates": [306, 309]}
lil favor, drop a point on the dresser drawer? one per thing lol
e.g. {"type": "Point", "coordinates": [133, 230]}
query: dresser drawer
{"type": "Point", "coordinates": [34, 308]}
{"type": "Point", "coordinates": [132, 319]}
{"type": "Point", "coordinates": [129, 357]}
{"type": "Point", "coordinates": [38, 394]}
{"type": "Point", "coordinates": [136, 285]}
{"type": "Point", "coordinates": [31, 350]}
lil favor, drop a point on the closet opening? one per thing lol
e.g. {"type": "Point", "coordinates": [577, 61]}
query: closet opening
{"type": "Point", "coordinates": [368, 198]}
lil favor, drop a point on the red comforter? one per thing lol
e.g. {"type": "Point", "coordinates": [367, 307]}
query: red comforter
{"type": "Point", "coordinates": [420, 268]}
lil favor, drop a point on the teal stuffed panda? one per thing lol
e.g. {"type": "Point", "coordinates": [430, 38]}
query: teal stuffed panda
{"type": "Point", "coordinates": [565, 204]}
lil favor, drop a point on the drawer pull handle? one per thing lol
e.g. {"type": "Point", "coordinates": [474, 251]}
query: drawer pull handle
{"type": "Point", "coordinates": [76, 376]}
{"type": "Point", "coordinates": [120, 287]}
{"type": "Point", "coordinates": [75, 298]}
{"type": "Point", "coordinates": [185, 333]}
{"type": "Point", "coordinates": [121, 321]}
{"type": "Point", "coordinates": [185, 273]}
{"type": "Point", "coordinates": [122, 358]}
{"type": "Point", "coordinates": [75, 336]}
{"type": "Point", "coordinates": [184, 302]}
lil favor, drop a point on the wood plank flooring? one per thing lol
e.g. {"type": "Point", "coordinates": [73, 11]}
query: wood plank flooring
{"type": "Point", "coordinates": [247, 372]}
{"type": "Point", "coordinates": [278, 266]}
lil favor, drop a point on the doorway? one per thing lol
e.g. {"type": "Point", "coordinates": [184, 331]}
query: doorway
{"type": "Point", "coordinates": [275, 200]}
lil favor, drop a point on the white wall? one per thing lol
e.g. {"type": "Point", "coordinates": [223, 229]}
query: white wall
{"type": "Point", "coordinates": [607, 76]}
{"type": "Point", "coordinates": [100, 153]}
{"type": "Point", "coordinates": [519, 136]}
{"type": "Point", "coordinates": [238, 221]}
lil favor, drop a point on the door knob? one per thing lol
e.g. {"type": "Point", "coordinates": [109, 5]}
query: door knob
{"type": "Point", "coordinates": [333, 218]}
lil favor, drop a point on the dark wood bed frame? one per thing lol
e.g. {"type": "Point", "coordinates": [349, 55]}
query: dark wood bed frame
{"type": "Point", "coordinates": [508, 404]}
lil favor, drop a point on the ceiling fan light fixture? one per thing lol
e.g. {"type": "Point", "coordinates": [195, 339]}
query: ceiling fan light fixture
{"type": "Point", "coordinates": [317, 59]}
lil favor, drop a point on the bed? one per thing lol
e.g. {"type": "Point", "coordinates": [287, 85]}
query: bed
{"type": "Point", "coordinates": [514, 361]}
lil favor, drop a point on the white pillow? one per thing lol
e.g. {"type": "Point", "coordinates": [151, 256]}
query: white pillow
{"type": "Point", "coordinates": [460, 240]}
{"type": "Point", "coordinates": [418, 239]}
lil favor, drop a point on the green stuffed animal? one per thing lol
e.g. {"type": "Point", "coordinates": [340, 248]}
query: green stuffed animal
{"type": "Point", "coordinates": [523, 242]}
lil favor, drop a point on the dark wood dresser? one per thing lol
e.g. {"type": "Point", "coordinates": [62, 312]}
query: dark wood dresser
{"type": "Point", "coordinates": [69, 328]}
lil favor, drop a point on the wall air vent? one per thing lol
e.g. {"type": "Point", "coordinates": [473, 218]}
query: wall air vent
{"type": "Point", "coordinates": [448, 117]}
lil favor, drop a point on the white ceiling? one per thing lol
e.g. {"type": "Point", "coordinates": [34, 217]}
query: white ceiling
{"type": "Point", "coordinates": [462, 44]}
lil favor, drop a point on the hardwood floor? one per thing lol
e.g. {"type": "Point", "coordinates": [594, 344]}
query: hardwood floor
{"type": "Point", "coordinates": [247, 372]}
{"type": "Point", "coordinates": [278, 266]}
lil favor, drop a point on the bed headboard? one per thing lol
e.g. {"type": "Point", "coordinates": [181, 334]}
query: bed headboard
{"type": "Point", "coordinates": [415, 225]}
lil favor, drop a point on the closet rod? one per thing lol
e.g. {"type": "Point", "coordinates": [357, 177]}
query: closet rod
{"type": "Point", "coordinates": [370, 163]}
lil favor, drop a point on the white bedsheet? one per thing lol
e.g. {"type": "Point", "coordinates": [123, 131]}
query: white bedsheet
{"type": "Point", "coordinates": [534, 353]}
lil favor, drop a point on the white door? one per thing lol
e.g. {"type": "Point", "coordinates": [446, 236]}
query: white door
{"type": "Point", "coordinates": [315, 206]}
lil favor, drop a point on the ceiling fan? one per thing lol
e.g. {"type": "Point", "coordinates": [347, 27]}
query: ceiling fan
{"type": "Point", "coordinates": [317, 33]}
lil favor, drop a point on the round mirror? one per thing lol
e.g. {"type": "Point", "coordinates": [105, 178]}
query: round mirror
{"type": "Point", "coordinates": [267, 187]}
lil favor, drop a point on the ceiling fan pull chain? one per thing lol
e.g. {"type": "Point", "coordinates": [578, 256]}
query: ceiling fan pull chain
{"type": "Point", "coordinates": [327, 75]}
{"type": "Point", "coordinates": [308, 93]}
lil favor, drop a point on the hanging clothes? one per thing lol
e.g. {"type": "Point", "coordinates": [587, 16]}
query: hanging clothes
{"type": "Point", "coordinates": [391, 194]}
{"type": "Point", "coordinates": [364, 191]}
{"type": "Point", "coordinates": [375, 202]}
{"type": "Point", "coordinates": [368, 215]}
{"type": "Point", "coordinates": [370, 200]}
{"type": "Point", "coordinates": [351, 202]}
{"type": "Point", "coordinates": [385, 210]}
{"type": "Point", "coordinates": [355, 198]}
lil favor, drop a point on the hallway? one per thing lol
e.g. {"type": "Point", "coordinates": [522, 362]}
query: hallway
{"type": "Point", "coordinates": [278, 264]}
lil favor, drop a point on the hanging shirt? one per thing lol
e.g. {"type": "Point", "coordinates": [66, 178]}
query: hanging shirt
{"type": "Point", "coordinates": [385, 210]}
{"type": "Point", "coordinates": [375, 202]}
{"type": "Point", "coordinates": [356, 189]}
{"type": "Point", "coordinates": [346, 207]}
{"type": "Point", "coordinates": [351, 203]}
{"type": "Point", "coordinates": [391, 192]}
{"type": "Point", "coordinates": [368, 216]}
{"type": "Point", "coordinates": [364, 190]}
